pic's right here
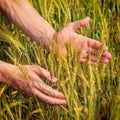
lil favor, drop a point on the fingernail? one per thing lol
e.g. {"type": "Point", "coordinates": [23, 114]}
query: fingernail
{"type": "Point", "coordinates": [54, 79]}
{"type": "Point", "coordinates": [65, 102]}
{"type": "Point", "coordinates": [87, 17]}
{"type": "Point", "coordinates": [106, 48]}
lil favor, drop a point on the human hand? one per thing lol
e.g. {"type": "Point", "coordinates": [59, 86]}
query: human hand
{"type": "Point", "coordinates": [34, 86]}
{"type": "Point", "coordinates": [80, 43]}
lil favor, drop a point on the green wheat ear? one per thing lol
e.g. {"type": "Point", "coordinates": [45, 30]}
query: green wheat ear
{"type": "Point", "coordinates": [2, 90]}
{"type": "Point", "coordinates": [21, 67]}
{"type": "Point", "coordinates": [100, 52]}
{"type": "Point", "coordinates": [6, 37]}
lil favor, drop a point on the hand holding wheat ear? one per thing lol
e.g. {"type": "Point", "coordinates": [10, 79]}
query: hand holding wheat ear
{"type": "Point", "coordinates": [81, 43]}
{"type": "Point", "coordinates": [42, 32]}
{"type": "Point", "coordinates": [27, 79]}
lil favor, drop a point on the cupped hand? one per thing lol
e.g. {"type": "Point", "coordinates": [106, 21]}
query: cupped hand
{"type": "Point", "coordinates": [80, 43]}
{"type": "Point", "coordinates": [33, 85]}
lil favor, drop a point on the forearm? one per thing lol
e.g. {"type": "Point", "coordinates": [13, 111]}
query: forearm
{"type": "Point", "coordinates": [25, 17]}
{"type": "Point", "coordinates": [7, 72]}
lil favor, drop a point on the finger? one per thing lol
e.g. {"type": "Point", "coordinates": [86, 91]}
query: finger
{"type": "Point", "coordinates": [93, 43]}
{"type": "Point", "coordinates": [82, 60]}
{"type": "Point", "coordinates": [48, 99]}
{"type": "Point", "coordinates": [93, 60]}
{"type": "Point", "coordinates": [44, 73]}
{"type": "Point", "coordinates": [80, 23]}
{"type": "Point", "coordinates": [96, 44]}
{"type": "Point", "coordinates": [102, 59]}
{"type": "Point", "coordinates": [40, 85]}
{"type": "Point", "coordinates": [50, 91]}
{"type": "Point", "coordinates": [104, 53]}
{"type": "Point", "coordinates": [92, 63]}
{"type": "Point", "coordinates": [84, 54]}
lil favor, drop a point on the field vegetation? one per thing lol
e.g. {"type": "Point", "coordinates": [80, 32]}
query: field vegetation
{"type": "Point", "coordinates": [92, 92]}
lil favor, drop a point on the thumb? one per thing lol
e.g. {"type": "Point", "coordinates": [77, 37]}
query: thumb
{"type": "Point", "coordinates": [80, 23]}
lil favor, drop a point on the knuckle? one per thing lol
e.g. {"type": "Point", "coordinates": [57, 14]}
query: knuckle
{"type": "Point", "coordinates": [47, 74]}
{"type": "Point", "coordinates": [49, 101]}
{"type": "Point", "coordinates": [36, 67]}
{"type": "Point", "coordinates": [53, 94]}
{"type": "Point", "coordinates": [69, 24]}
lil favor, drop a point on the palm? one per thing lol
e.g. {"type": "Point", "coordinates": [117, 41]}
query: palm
{"type": "Point", "coordinates": [80, 43]}
{"type": "Point", "coordinates": [34, 86]}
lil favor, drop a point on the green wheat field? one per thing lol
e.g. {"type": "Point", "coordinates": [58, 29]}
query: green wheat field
{"type": "Point", "coordinates": [92, 92]}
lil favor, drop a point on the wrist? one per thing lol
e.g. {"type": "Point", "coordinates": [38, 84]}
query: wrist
{"type": "Point", "coordinates": [2, 71]}
{"type": "Point", "coordinates": [6, 70]}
